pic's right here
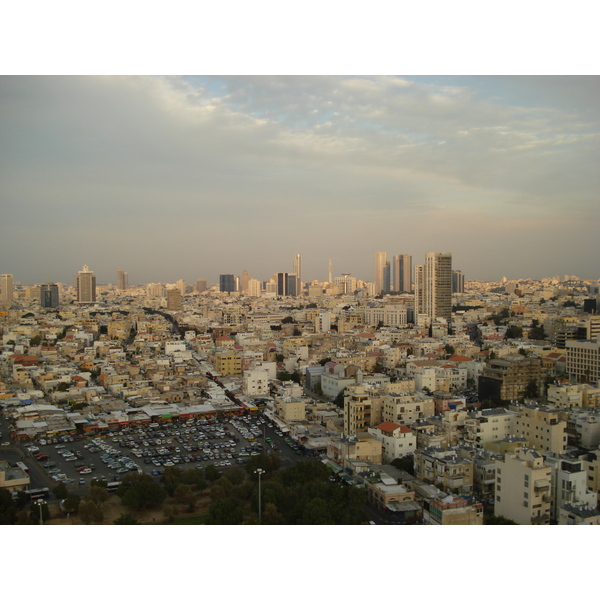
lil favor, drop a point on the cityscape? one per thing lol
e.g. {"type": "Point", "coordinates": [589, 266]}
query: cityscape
{"type": "Point", "coordinates": [324, 300]}
{"type": "Point", "coordinates": [419, 397]}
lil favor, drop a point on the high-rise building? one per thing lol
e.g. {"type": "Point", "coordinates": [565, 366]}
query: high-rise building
{"type": "Point", "coordinates": [433, 286]}
{"type": "Point", "coordinates": [227, 283]}
{"type": "Point", "coordinates": [181, 286]}
{"type": "Point", "coordinates": [49, 295]}
{"type": "Point", "coordinates": [254, 288]}
{"type": "Point", "coordinates": [387, 277]}
{"type": "Point", "coordinates": [380, 260]}
{"type": "Point", "coordinates": [85, 282]}
{"type": "Point", "coordinates": [174, 299]}
{"type": "Point", "coordinates": [346, 284]}
{"type": "Point", "coordinates": [200, 285]}
{"type": "Point", "coordinates": [7, 289]}
{"type": "Point", "coordinates": [297, 270]}
{"type": "Point", "coordinates": [402, 273]}
{"type": "Point", "coordinates": [330, 272]}
{"type": "Point", "coordinates": [287, 284]}
{"type": "Point", "coordinates": [245, 279]}
{"type": "Point", "coordinates": [122, 280]}
{"type": "Point", "coordinates": [458, 282]}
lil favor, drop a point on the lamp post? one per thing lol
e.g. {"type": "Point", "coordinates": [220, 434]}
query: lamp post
{"type": "Point", "coordinates": [259, 472]}
{"type": "Point", "coordinates": [41, 503]}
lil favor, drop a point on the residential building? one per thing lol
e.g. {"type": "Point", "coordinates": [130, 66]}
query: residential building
{"type": "Point", "coordinates": [489, 425]}
{"type": "Point", "coordinates": [85, 283]}
{"type": "Point", "coordinates": [49, 295]}
{"type": "Point", "coordinates": [570, 514]}
{"type": "Point", "coordinates": [444, 468]}
{"type": "Point", "coordinates": [256, 382]}
{"type": "Point", "coordinates": [542, 427]}
{"type": "Point", "coordinates": [396, 440]}
{"type": "Point", "coordinates": [452, 510]}
{"type": "Point", "coordinates": [228, 362]}
{"type": "Point", "coordinates": [405, 408]}
{"type": "Point", "coordinates": [394, 500]}
{"type": "Point", "coordinates": [523, 488]}
{"type": "Point", "coordinates": [583, 360]}
{"type": "Point", "coordinates": [433, 286]}
{"type": "Point", "coordinates": [290, 409]}
{"type": "Point", "coordinates": [568, 483]}
{"type": "Point", "coordinates": [506, 380]}
{"type": "Point", "coordinates": [174, 299]}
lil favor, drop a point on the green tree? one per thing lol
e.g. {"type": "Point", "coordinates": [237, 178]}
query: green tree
{"type": "Point", "coordinates": [405, 463]}
{"type": "Point", "coordinates": [184, 494]}
{"type": "Point", "coordinates": [226, 511]}
{"type": "Point", "coordinates": [513, 332]}
{"type": "Point", "coordinates": [72, 502]}
{"type": "Point", "coordinates": [126, 519]}
{"type": "Point", "coordinates": [8, 508]}
{"type": "Point", "coordinates": [60, 491]}
{"type": "Point", "coordinates": [236, 476]}
{"type": "Point", "coordinates": [97, 495]}
{"type": "Point", "coordinates": [171, 479]}
{"type": "Point", "coordinates": [532, 390]}
{"type": "Point", "coordinates": [24, 517]}
{"type": "Point", "coordinates": [339, 399]}
{"type": "Point", "coordinates": [195, 478]}
{"type": "Point", "coordinates": [271, 516]}
{"type": "Point", "coordinates": [211, 473]}
{"type": "Point", "coordinates": [90, 513]}
{"type": "Point", "coordinates": [449, 349]}
{"type": "Point", "coordinates": [98, 483]}
{"type": "Point", "coordinates": [143, 492]}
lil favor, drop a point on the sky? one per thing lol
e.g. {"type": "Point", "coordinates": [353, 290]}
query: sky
{"type": "Point", "coordinates": [187, 177]}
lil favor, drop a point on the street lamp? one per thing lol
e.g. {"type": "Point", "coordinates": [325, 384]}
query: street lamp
{"type": "Point", "coordinates": [41, 503]}
{"type": "Point", "coordinates": [259, 472]}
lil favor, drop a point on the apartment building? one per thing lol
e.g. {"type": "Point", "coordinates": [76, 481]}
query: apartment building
{"type": "Point", "coordinates": [255, 383]}
{"type": "Point", "coordinates": [568, 483]}
{"type": "Point", "coordinates": [396, 440]}
{"type": "Point", "coordinates": [542, 428]}
{"type": "Point", "coordinates": [228, 362]}
{"type": "Point", "coordinates": [362, 409]}
{"type": "Point", "coordinates": [489, 425]}
{"type": "Point", "coordinates": [444, 468]}
{"type": "Point", "coordinates": [404, 408]}
{"type": "Point", "coordinates": [290, 409]}
{"type": "Point", "coordinates": [523, 488]}
{"type": "Point", "coordinates": [510, 380]}
{"type": "Point", "coordinates": [583, 360]}
{"type": "Point", "coordinates": [452, 510]}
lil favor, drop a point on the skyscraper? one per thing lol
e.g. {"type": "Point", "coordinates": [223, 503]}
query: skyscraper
{"type": "Point", "coordinates": [297, 270]}
{"type": "Point", "coordinates": [200, 285]}
{"type": "Point", "coordinates": [85, 282]}
{"type": "Point", "coordinates": [49, 295]}
{"type": "Point", "coordinates": [330, 272]}
{"type": "Point", "coordinates": [458, 282]}
{"type": "Point", "coordinates": [287, 284]}
{"type": "Point", "coordinates": [245, 279]}
{"type": "Point", "coordinates": [122, 280]}
{"type": "Point", "coordinates": [402, 273]}
{"type": "Point", "coordinates": [174, 299]}
{"type": "Point", "coordinates": [380, 259]}
{"type": "Point", "coordinates": [433, 286]}
{"type": "Point", "coordinates": [7, 289]}
{"type": "Point", "coordinates": [227, 283]}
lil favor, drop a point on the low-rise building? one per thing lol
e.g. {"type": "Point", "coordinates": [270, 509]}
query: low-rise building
{"type": "Point", "coordinates": [445, 468]}
{"type": "Point", "coordinates": [396, 440]}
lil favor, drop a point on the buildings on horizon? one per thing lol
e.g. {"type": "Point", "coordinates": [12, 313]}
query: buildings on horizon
{"type": "Point", "coordinates": [85, 284]}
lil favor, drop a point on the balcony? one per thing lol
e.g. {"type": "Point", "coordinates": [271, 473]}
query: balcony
{"type": "Point", "coordinates": [541, 485]}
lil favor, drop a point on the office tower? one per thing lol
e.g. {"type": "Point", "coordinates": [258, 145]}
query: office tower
{"type": "Point", "coordinates": [49, 295]}
{"type": "Point", "coordinates": [7, 289]}
{"type": "Point", "coordinates": [380, 260]}
{"type": "Point", "coordinates": [297, 270]}
{"type": "Point", "coordinates": [458, 282]}
{"type": "Point", "coordinates": [433, 286]}
{"type": "Point", "coordinates": [174, 299]}
{"type": "Point", "coordinates": [122, 280]}
{"type": "Point", "coordinates": [254, 288]}
{"type": "Point", "coordinates": [227, 283]}
{"type": "Point", "coordinates": [402, 273]}
{"type": "Point", "coordinates": [155, 290]}
{"type": "Point", "coordinates": [287, 284]}
{"type": "Point", "coordinates": [387, 277]}
{"type": "Point", "coordinates": [330, 272]}
{"type": "Point", "coordinates": [245, 280]}
{"type": "Point", "coordinates": [85, 282]}
{"type": "Point", "coordinates": [200, 285]}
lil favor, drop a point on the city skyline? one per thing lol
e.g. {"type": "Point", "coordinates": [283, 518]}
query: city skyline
{"type": "Point", "coordinates": [191, 177]}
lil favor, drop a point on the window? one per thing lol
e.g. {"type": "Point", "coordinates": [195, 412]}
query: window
{"type": "Point", "coordinates": [526, 495]}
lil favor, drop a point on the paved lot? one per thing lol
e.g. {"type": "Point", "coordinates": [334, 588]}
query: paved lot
{"type": "Point", "coordinates": [149, 449]}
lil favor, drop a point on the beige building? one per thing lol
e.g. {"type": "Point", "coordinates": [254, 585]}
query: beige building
{"type": "Point", "coordinates": [362, 409]}
{"type": "Point", "coordinates": [523, 488]}
{"type": "Point", "coordinates": [396, 440]}
{"type": "Point", "coordinates": [489, 425]}
{"type": "Point", "coordinates": [444, 468]}
{"type": "Point", "coordinates": [394, 500]}
{"type": "Point", "coordinates": [452, 510]}
{"type": "Point", "coordinates": [290, 409]}
{"type": "Point", "coordinates": [583, 360]}
{"type": "Point", "coordinates": [572, 514]}
{"type": "Point", "coordinates": [405, 408]}
{"type": "Point", "coordinates": [510, 380]}
{"type": "Point", "coordinates": [12, 479]}
{"type": "Point", "coordinates": [228, 363]}
{"type": "Point", "coordinates": [361, 447]}
{"type": "Point", "coordinates": [541, 427]}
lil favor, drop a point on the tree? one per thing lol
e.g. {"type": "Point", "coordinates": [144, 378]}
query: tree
{"type": "Point", "coordinates": [271, 516]}
{"type": "Point", "coordinates": [72, 502]}
{"type": "Point", "coordinates": [226, 511]}
{"type": "Point", "coordinates": [24, 517]}
{"type": "Point", "coordinates": [449, 349]}
{"type": "Point", "coordinates": [90, 513]}
{"type": "Point", "coordinates": [126, 519]}
{"type": "Point", "coordinates": [97, 495]}
{"type": "Point", "coordinates": [142, 492]}
{"type": "Point", "coordinates": [236, 476]}
{"type": "Point", "coordinates": [8, 508]}
{"type": "Point", "coordinates": [513, 332]}
{"type": "Point", "coordinates": [211, 473]}
{"type": "Point", "coordinates": [405, 463]}
{"type": "Point", "coordinates": [184, 494]}
{"type": "Point", "coordinates": [531, 391]}
{"type": "Point", "coordinates": [171, 479]}
{"type": "Point", "coordinates": [339, 399]}
{"type": "Point", "coordinates": [569, 303]}
{"type": "Point", "coordinates": [288, 320]}
{"type": "Point", "coordinates": [60, 491]}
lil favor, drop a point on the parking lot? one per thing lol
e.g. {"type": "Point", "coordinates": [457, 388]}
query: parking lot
{"type": "Point", "coordinates": [225, 443]}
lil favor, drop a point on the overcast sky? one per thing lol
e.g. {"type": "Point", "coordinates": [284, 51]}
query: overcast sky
{"type": "Point", "coordinates": [190, 177]}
